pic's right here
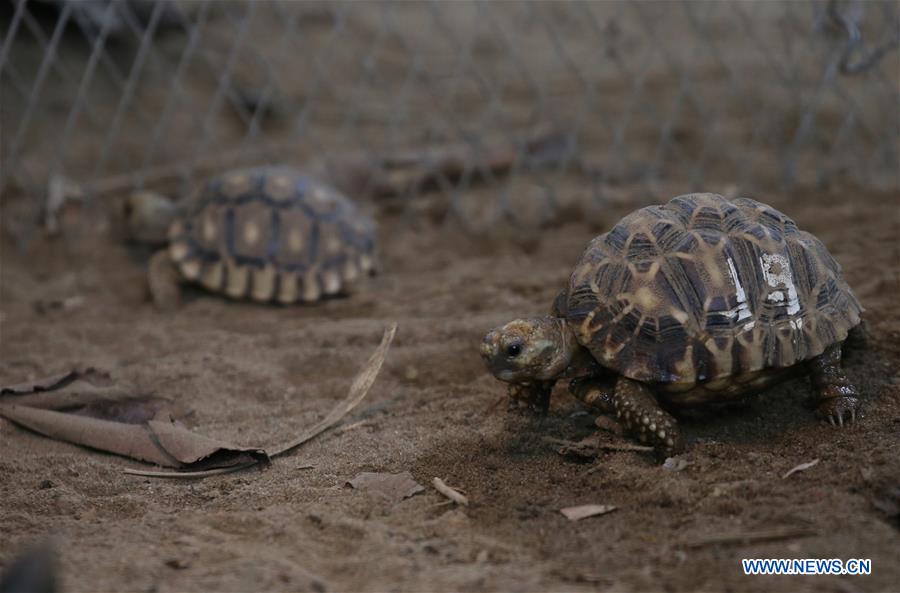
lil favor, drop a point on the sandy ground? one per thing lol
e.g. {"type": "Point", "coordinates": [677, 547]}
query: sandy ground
{"type": "Point", "coordinates": [256, 375]}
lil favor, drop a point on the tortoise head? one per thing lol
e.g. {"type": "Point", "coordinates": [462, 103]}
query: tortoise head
{"type": "Point", "coordinates": [525, 350]}
{"type": "Point", "coordinates": [147, 217]}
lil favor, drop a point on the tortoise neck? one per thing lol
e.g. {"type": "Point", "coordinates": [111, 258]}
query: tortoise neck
{"type": "Point", "coordinates": [566, 345]}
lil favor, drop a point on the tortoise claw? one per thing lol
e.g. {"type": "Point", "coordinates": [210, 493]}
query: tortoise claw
{"type": "Point", "coordinates": [839, 411]}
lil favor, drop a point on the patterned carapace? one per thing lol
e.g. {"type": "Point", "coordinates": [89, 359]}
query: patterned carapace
{"type": "Point", "coordinates": [272, 234]}
{"type": "Point", "coordinates": [703, 288]}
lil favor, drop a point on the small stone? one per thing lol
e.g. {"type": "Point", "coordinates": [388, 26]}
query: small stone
{"type": "Point", "coordinates": [45, 484]}
{"type": "Point", "coordinates": [675, 464]}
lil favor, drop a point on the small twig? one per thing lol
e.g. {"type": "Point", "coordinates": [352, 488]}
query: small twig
{"type": "Point", "coordinates": [187, 475]}
{"type": "Point", "coordinates": [626, 447]}
{"type": "Point", "coordinates": [752, 537]}
{"type": "Point", "coordinates": [449, 492]}
{"type": "Point", "coordinates": [599, 446]}
{"type": "Point", "coordinates": [353, 426]}
{"type": "Point", "coordinates": [595, 468]}
{"type": "Point", "coordinates": [800, 468]}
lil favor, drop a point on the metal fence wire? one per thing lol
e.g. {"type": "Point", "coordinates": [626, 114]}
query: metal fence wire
{"type": "Point", "coordinates": [108, 96]}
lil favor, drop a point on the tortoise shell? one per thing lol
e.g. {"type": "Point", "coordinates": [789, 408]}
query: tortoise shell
{"type": "Point", "coordinates": [272, 234]}
{"type": "Point", "coordinates": [704, 288]}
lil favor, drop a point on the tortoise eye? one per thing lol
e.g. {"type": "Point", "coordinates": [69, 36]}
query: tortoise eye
{"type": "Point", "coordinates": [514, 350]}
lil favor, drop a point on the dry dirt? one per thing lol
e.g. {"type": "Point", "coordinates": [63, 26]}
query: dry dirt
{"type": "Point", "coordinates": [257, 375]}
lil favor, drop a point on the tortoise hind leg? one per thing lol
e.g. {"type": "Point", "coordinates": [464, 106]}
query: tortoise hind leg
{"type": "Point", "coordinates": [839, 398]}
{"type": "Point", "coordinates": [636, 408]}
{"type": "Point", "coordinates": [164, 282]}
{"type": "Point", "coordinates": [858, 337]}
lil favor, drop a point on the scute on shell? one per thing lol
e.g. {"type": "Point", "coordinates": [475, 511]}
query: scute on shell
{"type": "Point", "coordinates": [703, 288]}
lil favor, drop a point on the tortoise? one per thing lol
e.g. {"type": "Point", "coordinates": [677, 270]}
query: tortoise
{"type": "Point", "coordinates": [270, 234]}
{"type": "Point", "coordinates": [699, 301]}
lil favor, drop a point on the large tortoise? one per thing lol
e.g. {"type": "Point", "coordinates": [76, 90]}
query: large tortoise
{"type": "Point", "coordinates": [700, 300]}
{"type": "Point", "coordinates": [270, 234]}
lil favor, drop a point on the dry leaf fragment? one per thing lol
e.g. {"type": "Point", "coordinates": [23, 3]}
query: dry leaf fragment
{"type": "Point", "coordinates": [801, 467]}
{"type": "Point", "coordinates": [584, 511]}
{"type": "Point", "coordinates": [449, 492]}
{"type": "Point", "coordinates": [395, 487]}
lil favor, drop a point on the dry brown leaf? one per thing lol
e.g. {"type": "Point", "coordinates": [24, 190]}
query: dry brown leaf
{"type": "Point", "coordinates": [800, 468]}
{"type": "Point", "coordinates": [357, 393]}
{"type": "Point", "coordinates": [395, 487]}
{"type": "Point", "coordinates": [158, 442]}
{"type": "Point", "coordinates": [584, 511]}
{"type": "Point", "coordinates": [140, 429]}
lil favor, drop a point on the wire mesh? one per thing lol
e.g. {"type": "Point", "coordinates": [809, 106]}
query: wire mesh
{"type": "Point", "coordinates": [120, 95]}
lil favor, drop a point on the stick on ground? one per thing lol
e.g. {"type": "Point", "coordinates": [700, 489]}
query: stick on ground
{"type": "Point", "coordinates": [752, 537]}
{"type": "Point", "coordinates": [449, 492]}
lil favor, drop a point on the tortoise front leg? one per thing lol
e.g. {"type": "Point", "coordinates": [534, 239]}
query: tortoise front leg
{"type": "Point", "coordinates": [164, 282]}
{"type": "Point", "coordinates": [636, 408]}
{"type": "Point", "coordinates": [533, 396]}
{"type": "Point", "coordinates": [839, 398]}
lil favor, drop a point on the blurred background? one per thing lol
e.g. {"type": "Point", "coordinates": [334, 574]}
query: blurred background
{"type": "Point", "coordinates": [627, 101]}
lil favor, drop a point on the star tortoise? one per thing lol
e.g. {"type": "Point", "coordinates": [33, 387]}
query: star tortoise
{"type": "Point", "coordinates": [701, 300]}
{"type": "Point", "coordinates": [270, 234]}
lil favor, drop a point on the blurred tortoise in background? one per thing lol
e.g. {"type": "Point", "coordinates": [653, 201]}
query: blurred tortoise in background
{"type": "Point", "coordinates": [701, 300]}
{"type": "Point", "coordinates": [269, 234]}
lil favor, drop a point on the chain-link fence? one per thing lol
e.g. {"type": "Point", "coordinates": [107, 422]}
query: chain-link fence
{"type": "Point", "coordinates": [109, 96]}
